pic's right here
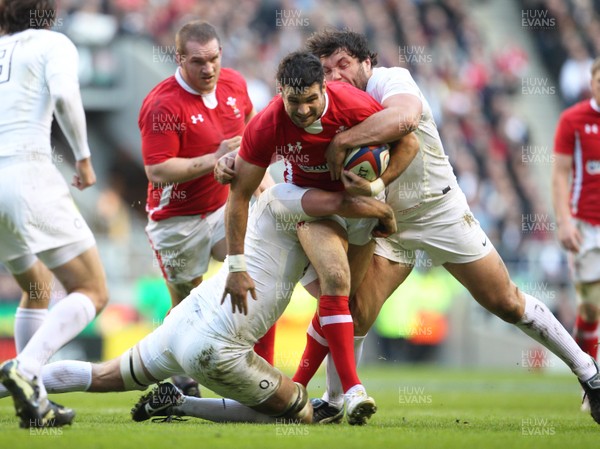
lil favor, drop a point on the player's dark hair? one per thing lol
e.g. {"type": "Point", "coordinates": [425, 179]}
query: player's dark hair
{"type": "Point", "coordinates": [20, 15]}
{"type": "Point", "coordinates": [196, 31]}
{"type": "Point", "coordinates": [300, 70]}
{"type": "Point", "coordinates": [326, 42]}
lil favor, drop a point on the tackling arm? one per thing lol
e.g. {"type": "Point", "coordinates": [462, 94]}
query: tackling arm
{"type": "Point", "coordinates": [400, 117]}
{"type": "Point", "coordinates": [247, 179]}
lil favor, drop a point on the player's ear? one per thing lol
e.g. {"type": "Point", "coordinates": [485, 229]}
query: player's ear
{"type": "Point", "coordinates": [179, 58]}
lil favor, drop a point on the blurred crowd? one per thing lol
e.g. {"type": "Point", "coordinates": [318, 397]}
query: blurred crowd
{"type": "Point", "coordinates": [469, 88]}
{"type": "Point", "coordinates": [568, 40]}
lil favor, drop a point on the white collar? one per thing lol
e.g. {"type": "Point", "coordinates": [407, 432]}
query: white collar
{"type": "Point", "coordinates": [594, 105]}
{"type": "Point", "coordinates": [209, 99]}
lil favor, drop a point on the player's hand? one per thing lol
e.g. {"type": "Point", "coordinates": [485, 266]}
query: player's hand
{"type": "Point", "coordinates": [335, 155]}
{"type": "Point", "coordinates": [237, 287]}
{"type": "Point", "coordinates": [387, 224]}
{"type": "Point", "coordinates": [355, 185]}
{"type": "Point", "coordinates": [224, 170]}
{"type": "Point", "coordinates": [85, 176]}
{"type": "Point", "coordinates": [569, 236]}
{"type": "Point", "coordinates": [228, 145]}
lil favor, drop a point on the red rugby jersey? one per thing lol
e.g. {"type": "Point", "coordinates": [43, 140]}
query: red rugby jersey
{"type": "Point", "coordinates": [578, 135]}
{"type": "Point", "coordinates": [177, 123]}
{"type": "Point", "coordinates": [273, 135]}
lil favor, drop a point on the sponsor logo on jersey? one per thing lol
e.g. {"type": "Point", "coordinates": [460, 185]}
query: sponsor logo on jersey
{"type": "Point", "coordinates": [197, 118]}
{"type": "Point", "coordinates": [314, 168]}
{"type": "Point", "coordinates": [593, 167]}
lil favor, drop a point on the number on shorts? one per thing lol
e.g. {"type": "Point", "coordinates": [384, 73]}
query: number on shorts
{"type": "Point", "coordinates": [6, 52]}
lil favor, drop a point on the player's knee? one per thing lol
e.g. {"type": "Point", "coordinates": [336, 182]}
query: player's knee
{"type": "Point", "coordinates": [335, 280]}
{"type": "Point", "coordinates": [299, 409]}
{"type": "Point", "coordinates": [132, 373]}
{"type": "Point", "coordinates": [508, 305]}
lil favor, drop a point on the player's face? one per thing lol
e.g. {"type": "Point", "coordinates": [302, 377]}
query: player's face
{"type": "Point", "coordinates": [340, 66]}
{"type": "Point", "coordinates": [304, 105]}
{"type": "Point", "coordinates": [595, 86]}
{"type": "Point", "coordinates": [201, 65]}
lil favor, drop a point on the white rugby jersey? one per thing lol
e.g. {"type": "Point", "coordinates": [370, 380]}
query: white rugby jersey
{"type": "Point", "coordinates": [430, 174]}
{"type": "Point", "coordinates": [36, 68]}
{"type": "Point", "coordinates": [275, 261]}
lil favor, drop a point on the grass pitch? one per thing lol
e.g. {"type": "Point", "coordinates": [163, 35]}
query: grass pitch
{"type": "Point", "coordinates": [418, 408]}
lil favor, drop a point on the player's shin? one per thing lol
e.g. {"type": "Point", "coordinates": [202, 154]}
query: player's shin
{"type": "Point", "coordinates": [541, 325]}
{"type": "Point", "coordinates": [315, 351]}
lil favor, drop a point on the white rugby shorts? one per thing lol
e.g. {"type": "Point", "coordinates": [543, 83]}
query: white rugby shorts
{"type": "Point", "coordinates": [445, 229]}
{"type": "Point", "coordinates": [585, 265]}
{"type": "Point", "coordinates": [38, 214]}
{"type": "Point", "coordinates": [184, 344]}
{"type": "Point", "coordinates": [182, 245]}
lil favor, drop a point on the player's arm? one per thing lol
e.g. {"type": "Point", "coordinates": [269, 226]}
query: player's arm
{"type": "Point", "coordinates": [250, 115]}
{"type": "Point", "coordinates": [400, 116]}
{"type": "Point", "coordinates": [321, 203]}
{"type": "Point", "coordinates": [401, 155]}
{"type": "Point", "coordinates": [239, 283]}
{"type": "Point", "coordinates": [178, 169]}
{"type": "Point", "coordinates": [62, 81]}
{"type": "Point", "coordinates": [568, 235]}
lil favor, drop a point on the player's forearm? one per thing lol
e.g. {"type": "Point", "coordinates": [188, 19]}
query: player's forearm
{"type": "Point", "coordinates": [384, 126]}
{"type": "Point", "coordinates": [179, 169]}
{"type": "Point", "coordinates": [401, 156]}
{"type": "Point", "coordinates": [560, 195]}
{"type": "Point", "coordinates": [236, 221]}
{"type": "Point", "coordinates": [364, 207]}
{"type": "Point", "coordinates": [70, 115]}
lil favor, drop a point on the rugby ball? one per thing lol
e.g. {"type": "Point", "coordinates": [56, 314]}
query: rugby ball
{"type": "Point", "coordinates": [368, 162]}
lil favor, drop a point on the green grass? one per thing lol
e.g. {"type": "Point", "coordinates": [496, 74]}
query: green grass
{"type": "Point", "coordinates": [418, 408]}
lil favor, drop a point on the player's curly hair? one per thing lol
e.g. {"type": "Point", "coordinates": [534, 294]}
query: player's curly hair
{"type": "Point", "coordinates": [20, 15]}
{"type": "Point", "coordinates": [300, 70]}
{"type": "Point", "coordinates": [326, 42]}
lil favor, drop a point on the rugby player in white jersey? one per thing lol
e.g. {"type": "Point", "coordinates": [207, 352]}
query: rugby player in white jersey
{"type": "Point", "coordinates": [40, 226]}
{"type": "Point", "coordinates": [206, 339]}
{"type": "Point", "coordinates": [432, 215]}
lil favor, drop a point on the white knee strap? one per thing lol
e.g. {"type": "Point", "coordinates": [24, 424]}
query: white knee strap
{"type": "Point", "coordinates": [132, 371]}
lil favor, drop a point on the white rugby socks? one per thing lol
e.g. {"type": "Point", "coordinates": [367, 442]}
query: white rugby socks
{"type": "Point", "coordinates": [63, 323]}
{"type": "Point", "coordinates": [335, 393]}
{"type": "Point", "coordinates": [541, 325]}
{"type": "Point", "coordinates": [63, 377]}
{"type": "Point", "coordinates": [220, 410]}
{"type": "Point", "coordinates": [27, 322]}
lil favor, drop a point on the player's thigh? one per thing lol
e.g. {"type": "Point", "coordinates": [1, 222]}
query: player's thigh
{"type": "Point", "coordinates": [218, 245]}
{"type": "Point", "coordinates": [383, 277]}
{"type": "Point", "coordinates": [359, 258]}
{"type": "Point", "coordinates": [488, 281]}
{"type": "Point", "coordinates": [325, 244]}
{"type": "Point", "coordinates": [179, 291]}
{"type": "Point", "coordinates": [84, 273]}
{"type": "Point", "coordinates": [231, 370]}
